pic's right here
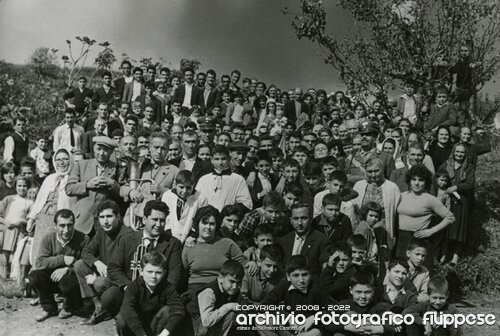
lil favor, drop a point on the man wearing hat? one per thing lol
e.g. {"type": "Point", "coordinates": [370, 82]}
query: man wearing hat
{"type": "Point", "coordinates": [207, 130]}
{"type": "Point", "coordinates": [238, 152]}
{"type": "Point", "coordinates": [369, 134]}
{"type": "Point", "coordinates": [92, 182]}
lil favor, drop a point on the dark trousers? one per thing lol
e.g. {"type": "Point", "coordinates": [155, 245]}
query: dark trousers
{"type": "Point", "coordinates": [101, 284]}
{"type": "Point", "coordinates": [153, 328]}
{"type": "Point", "coordinates": [45, 287]}
{"type": "Point", "coordinates": [111, 300]}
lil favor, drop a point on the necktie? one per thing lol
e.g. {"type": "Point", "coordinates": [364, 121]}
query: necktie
{"type": "Point", "coordinates": [151, 244]}
{"type": "Point", "coordinates": [71, 136]}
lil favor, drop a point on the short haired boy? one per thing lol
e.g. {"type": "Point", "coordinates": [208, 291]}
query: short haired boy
{"type": "Point", "coordinates": [418, 274]}
{"type": "Point", "coordinates": [213, 309]}
{"type": "Point", "coordinates": [336, 276]}
{"type": "Point", "coordinates": [313, 177]}
{"type": "Point", "coordinates": [263, 236]}
{"type": "Point", "coordinates": [256, 287]}
{"type": "Point", "coordinates": [438, 291]}
{"type": "Point", "coordinates": [334, 224]}
{"type": "Point", "coordinates": [292, 173]}
{"type": "Point", "coordinates": [183, 204]}
{"type": "Point", "coordinates": [299, 288]}
{"type": "Point", "coordinates": [396, 291]}
{"type": "Point", "coordinates": [336, 184]}
{"type": "Point", "coordinates": [264, 181]}
{"type": "Point", "coordinates": [270, 213]}
{"type": "Point", "coordinates": [151, 306]}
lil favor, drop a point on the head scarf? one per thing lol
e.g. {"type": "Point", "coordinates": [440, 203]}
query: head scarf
{"type": "Point", "coordinates": [450, 163]}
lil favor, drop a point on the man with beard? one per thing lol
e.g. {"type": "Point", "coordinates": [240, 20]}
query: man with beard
{"type": "Point", "coordinates": [126, 264]}
{"type": "Point", "coordinates": [92, 182]}
{"type": "Point", "coordinates": [92, 269]}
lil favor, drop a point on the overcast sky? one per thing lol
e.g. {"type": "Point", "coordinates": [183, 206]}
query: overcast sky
{"type": "Point", "coordinates": [250, 35]}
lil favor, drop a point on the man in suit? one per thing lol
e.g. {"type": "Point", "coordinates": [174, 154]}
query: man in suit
{"type": "Point", "coordinates": [119, 122]}
{"type": "Point", "coordinates": [368, 150]}
{"type": "Point", "coordinates": [126, 265]}
{"type": "Point", "coordinates": [156, 176]}
{"type": "Point", "coordinates": [304, 240]}
{"type": "Point", "coordinates": [135, 88]}
{"type": "Point", "coordinates": [188, 93]}
{"type": "Point", "coordinates": [415, 156]}
{"type": "Point", "coordinates": [88, 138]}
{"type": "Point", "coordinates": [211, 95]}
{"type": "Point", "coordinates": [176, 112]}
{"type": "Point", "coordinates": [81, 96]}
{"type": "Point", "coordinates": [293, 108]}
{"type": "Point", "coordinates": [189, 159]}
{"type": "Point", "coordinates": [119, 83]}
{"type": "Point", "coordinates": [92, 182]}
{"type": "Point", "coordinates": [105, 93]}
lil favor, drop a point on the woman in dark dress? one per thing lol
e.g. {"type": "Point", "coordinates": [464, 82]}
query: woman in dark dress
{"type": "Point", "coordinates": [440, 151]}
{"type": "Point", "coordinates": [462, 175]}
{"type": "Point", "coordinates": [9, 172]}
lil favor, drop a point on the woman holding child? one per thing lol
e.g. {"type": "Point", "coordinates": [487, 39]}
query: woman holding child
{"type": "Point", "coordinates": [416, 210]}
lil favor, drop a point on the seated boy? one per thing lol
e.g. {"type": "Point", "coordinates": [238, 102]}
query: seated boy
{"type": "Point", "coordinates": [299, 288]}
{"type": "Point", "coordinates": [151, 306]}
{"type": "Point", "coordinates": [335, 184]}
{"type": "Point", "coordinates": [395, 291]}
{"type": "Point", "coordinates": [270, 212]}
{"type": "Point", "coordinates": [437, 289]}
{"type": "Point", "coordinates": [360, 254]}
{"type": "Point", "coordinates": [263, 236]}
{"type": "Point", "coordinates": [418, 274]}
{"type": "Point", "coordinates": [334, 224]}
{"type": "Point", "coordinates": [336, 276]}
{"type": "Point", "coordinates": [362, 301]}
{"type": "Point", "coordinates": [256, 287]}
{"type": "Point", "coordinates": [213, 309]}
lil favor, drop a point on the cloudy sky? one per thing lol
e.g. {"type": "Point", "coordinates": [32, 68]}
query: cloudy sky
{"type": "Point", "coordinates": [250, 35]}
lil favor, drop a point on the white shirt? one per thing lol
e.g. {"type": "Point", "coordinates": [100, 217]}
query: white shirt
{"type": "Point", "coordinates": [136, 90]}
{"type": "Point", "coordinates": [266, 184]}
{"type": "Point", "coordinates": [187, 95]}
{"type": "Point", "coordinates": [9, 147]}
{"type": "Point", "coordinates": [223, 190]}
{"type": "Point", "coordinates": [147, 240]}
{"type": "Point", "coordinates": [187, 163]}
{"type": "Point", "coordinates": [62, 137]}
{"type": "Point", "coordinates": [298, 243]}
{"type": "Point", "coordinates": [128, 79]}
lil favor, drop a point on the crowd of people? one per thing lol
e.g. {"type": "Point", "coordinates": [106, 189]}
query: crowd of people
{"type": "Point", "coordinates": [166, 203]}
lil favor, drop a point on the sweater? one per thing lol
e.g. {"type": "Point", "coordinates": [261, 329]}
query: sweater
{"type": "Point", "coordinates": [415, 212]}
{"type": "Point", "coordinates": [203, 261]}
{"type": "Point", "coordinates": [51, 253]}
{"type": "Point", "coordinates": [103, 245]}
{"type": "Point", "coordinates": [140, 306]}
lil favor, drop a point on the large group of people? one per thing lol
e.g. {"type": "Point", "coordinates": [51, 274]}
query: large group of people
{"type": "Point", "coordinates": [166, 203]}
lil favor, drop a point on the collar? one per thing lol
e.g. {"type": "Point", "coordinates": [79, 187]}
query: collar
{"type": "Point", "coordinates": [291, 288]}
{"type": "Point", "coordinates": [303, 237]}
{"type": "Point", "coordinates": [144, 236]}
{"type": "Point", "coordinates": [62, 242]}
{"type": "Point", "coordinates": [390, 288]}
{"type": "Point", "coordinates": [222, 173]}
{"type": "Point", "coordinates": [185, 158]}
{"type": "Point", "coordinates": [263, 177]}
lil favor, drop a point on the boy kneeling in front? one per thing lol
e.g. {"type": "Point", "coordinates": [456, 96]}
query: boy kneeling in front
{"type": "Point", "coordinates": [151, 306]}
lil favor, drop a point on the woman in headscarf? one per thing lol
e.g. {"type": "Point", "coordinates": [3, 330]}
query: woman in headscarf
{"type": "Point", "coordinates": [462, 176]}
{"type": "Point", "coordinates": [51, 197]}
{"type": "Point", "coordinates": [375, 188]}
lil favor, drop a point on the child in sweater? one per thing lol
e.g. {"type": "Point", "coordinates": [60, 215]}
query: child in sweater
{"type": "Point", "coordinates": [183, 205]}
{"type": "Point", "coordinates": [14, 210]}
{"type": "Point", "coordinates": [150, 306]}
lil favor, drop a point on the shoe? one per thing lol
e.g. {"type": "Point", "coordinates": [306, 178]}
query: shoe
{"type": "Point", "coordinates": [64, 314]}
{"type": "Point", "coordinates": [45, 315]}
{"type": "Point", "coordinates": [97, 318]}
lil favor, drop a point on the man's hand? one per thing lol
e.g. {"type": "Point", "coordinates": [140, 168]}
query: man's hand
{"type": "Point", "coordinates": [252, 268]}
{"type": "Point", "coordinates": [165, 332]}
{"type": "Point", "coordinates": [423, 233]}
{"type": "Point", "coordinates": [428, 329]}
{"type": "Point", "coordinates": [190, 242]}
{"type": "Point", "coordinates": [69, 260]}
{"type": "Point", "coordinates": [107, 182]}
{"type": "Point", "coordinates": [307, 325]}
{"type": "Point", "coordinates": [57, 275]}
{"type": "Point", "coordinates": [333, 258]}
{"type": "Point", "coordinates": [90, 279]}
{"type": "Point", "coordinates": [136, 196]}
{"type": "Point", "coordinates": [101, 267]}
{"type": "Point", "coordinates": [95, 183]}
{"type": "Point", "coordinates": [231, 306]}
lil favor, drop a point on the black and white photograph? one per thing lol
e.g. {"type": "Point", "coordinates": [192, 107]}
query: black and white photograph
{"type": "Point", "coordinates": [249, 167]}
